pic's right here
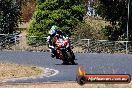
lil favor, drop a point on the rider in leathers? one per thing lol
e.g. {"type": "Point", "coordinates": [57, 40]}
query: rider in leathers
{"type": "Point", "coordinates": [54, 31]}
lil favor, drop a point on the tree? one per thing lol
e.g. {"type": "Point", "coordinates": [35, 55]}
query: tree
{"type": "Point", "coordinates": [115, 11]}
{"type": "Point", "coordinates": [9, 15]}
{"type": "Point", "coordinates": [70, 12]}
{"type": "Point", "coordinates": [130, 22]}
{"type": "Point", "coordinates": [27, 9]}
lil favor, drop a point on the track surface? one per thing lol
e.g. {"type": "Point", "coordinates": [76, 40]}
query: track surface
{"type": "Point", "coordinates": [92, 63]}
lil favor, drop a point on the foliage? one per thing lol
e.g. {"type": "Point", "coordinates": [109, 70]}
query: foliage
{"type": "Point", "coordinates": [70, 13]}
{"type": "Point", "coordinates": [9, 15]}
{"type": "Point", "coordinates": [27, 9]}
{"type": "Point", "coordinates": [115, 11]}
{"type": "Point", "coordinates": [90, 29]}
{"type": "Point", "coordinates": [110, 32]}
{"type": "Point", "coordinates": [82, 31]}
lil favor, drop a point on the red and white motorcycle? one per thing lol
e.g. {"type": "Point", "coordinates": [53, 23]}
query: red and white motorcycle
{"type": "Point", "coordinates": [64, 50]}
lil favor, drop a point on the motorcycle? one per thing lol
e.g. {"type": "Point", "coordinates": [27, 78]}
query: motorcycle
{"type": "Point", "coordinates": [64, 50]}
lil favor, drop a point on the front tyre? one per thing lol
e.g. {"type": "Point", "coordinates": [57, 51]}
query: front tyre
{"type": "Point", "coordinates": [70, 57]}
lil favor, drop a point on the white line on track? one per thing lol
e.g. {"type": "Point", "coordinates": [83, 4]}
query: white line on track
{"type": "Point", "coordinates": [47, 73]}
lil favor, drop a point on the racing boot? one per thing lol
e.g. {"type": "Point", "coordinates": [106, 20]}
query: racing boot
{"type": "Point", "coordinates": [53, 53]}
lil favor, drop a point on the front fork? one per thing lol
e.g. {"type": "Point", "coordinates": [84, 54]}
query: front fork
{"type": "Point", "coordinates": [60, 55]}
{"type": "Point", "coordinates": [70, 50]}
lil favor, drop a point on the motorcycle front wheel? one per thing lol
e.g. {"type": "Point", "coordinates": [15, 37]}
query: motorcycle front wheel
{"type": "Point", "coordinates": [69, 57]}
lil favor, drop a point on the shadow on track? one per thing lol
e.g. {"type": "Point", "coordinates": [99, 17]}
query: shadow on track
{"type": "Point", "coordinates": [67, 64]}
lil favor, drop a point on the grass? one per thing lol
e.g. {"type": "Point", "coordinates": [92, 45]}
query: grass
{"type": "Point", "coordinates": [67, 85]}
{"type": "Point", "coordinates": [8, 71]}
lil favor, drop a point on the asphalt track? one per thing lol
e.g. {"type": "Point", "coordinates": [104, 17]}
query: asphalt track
{"type": "Point", "coordinates": [92, 63]}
